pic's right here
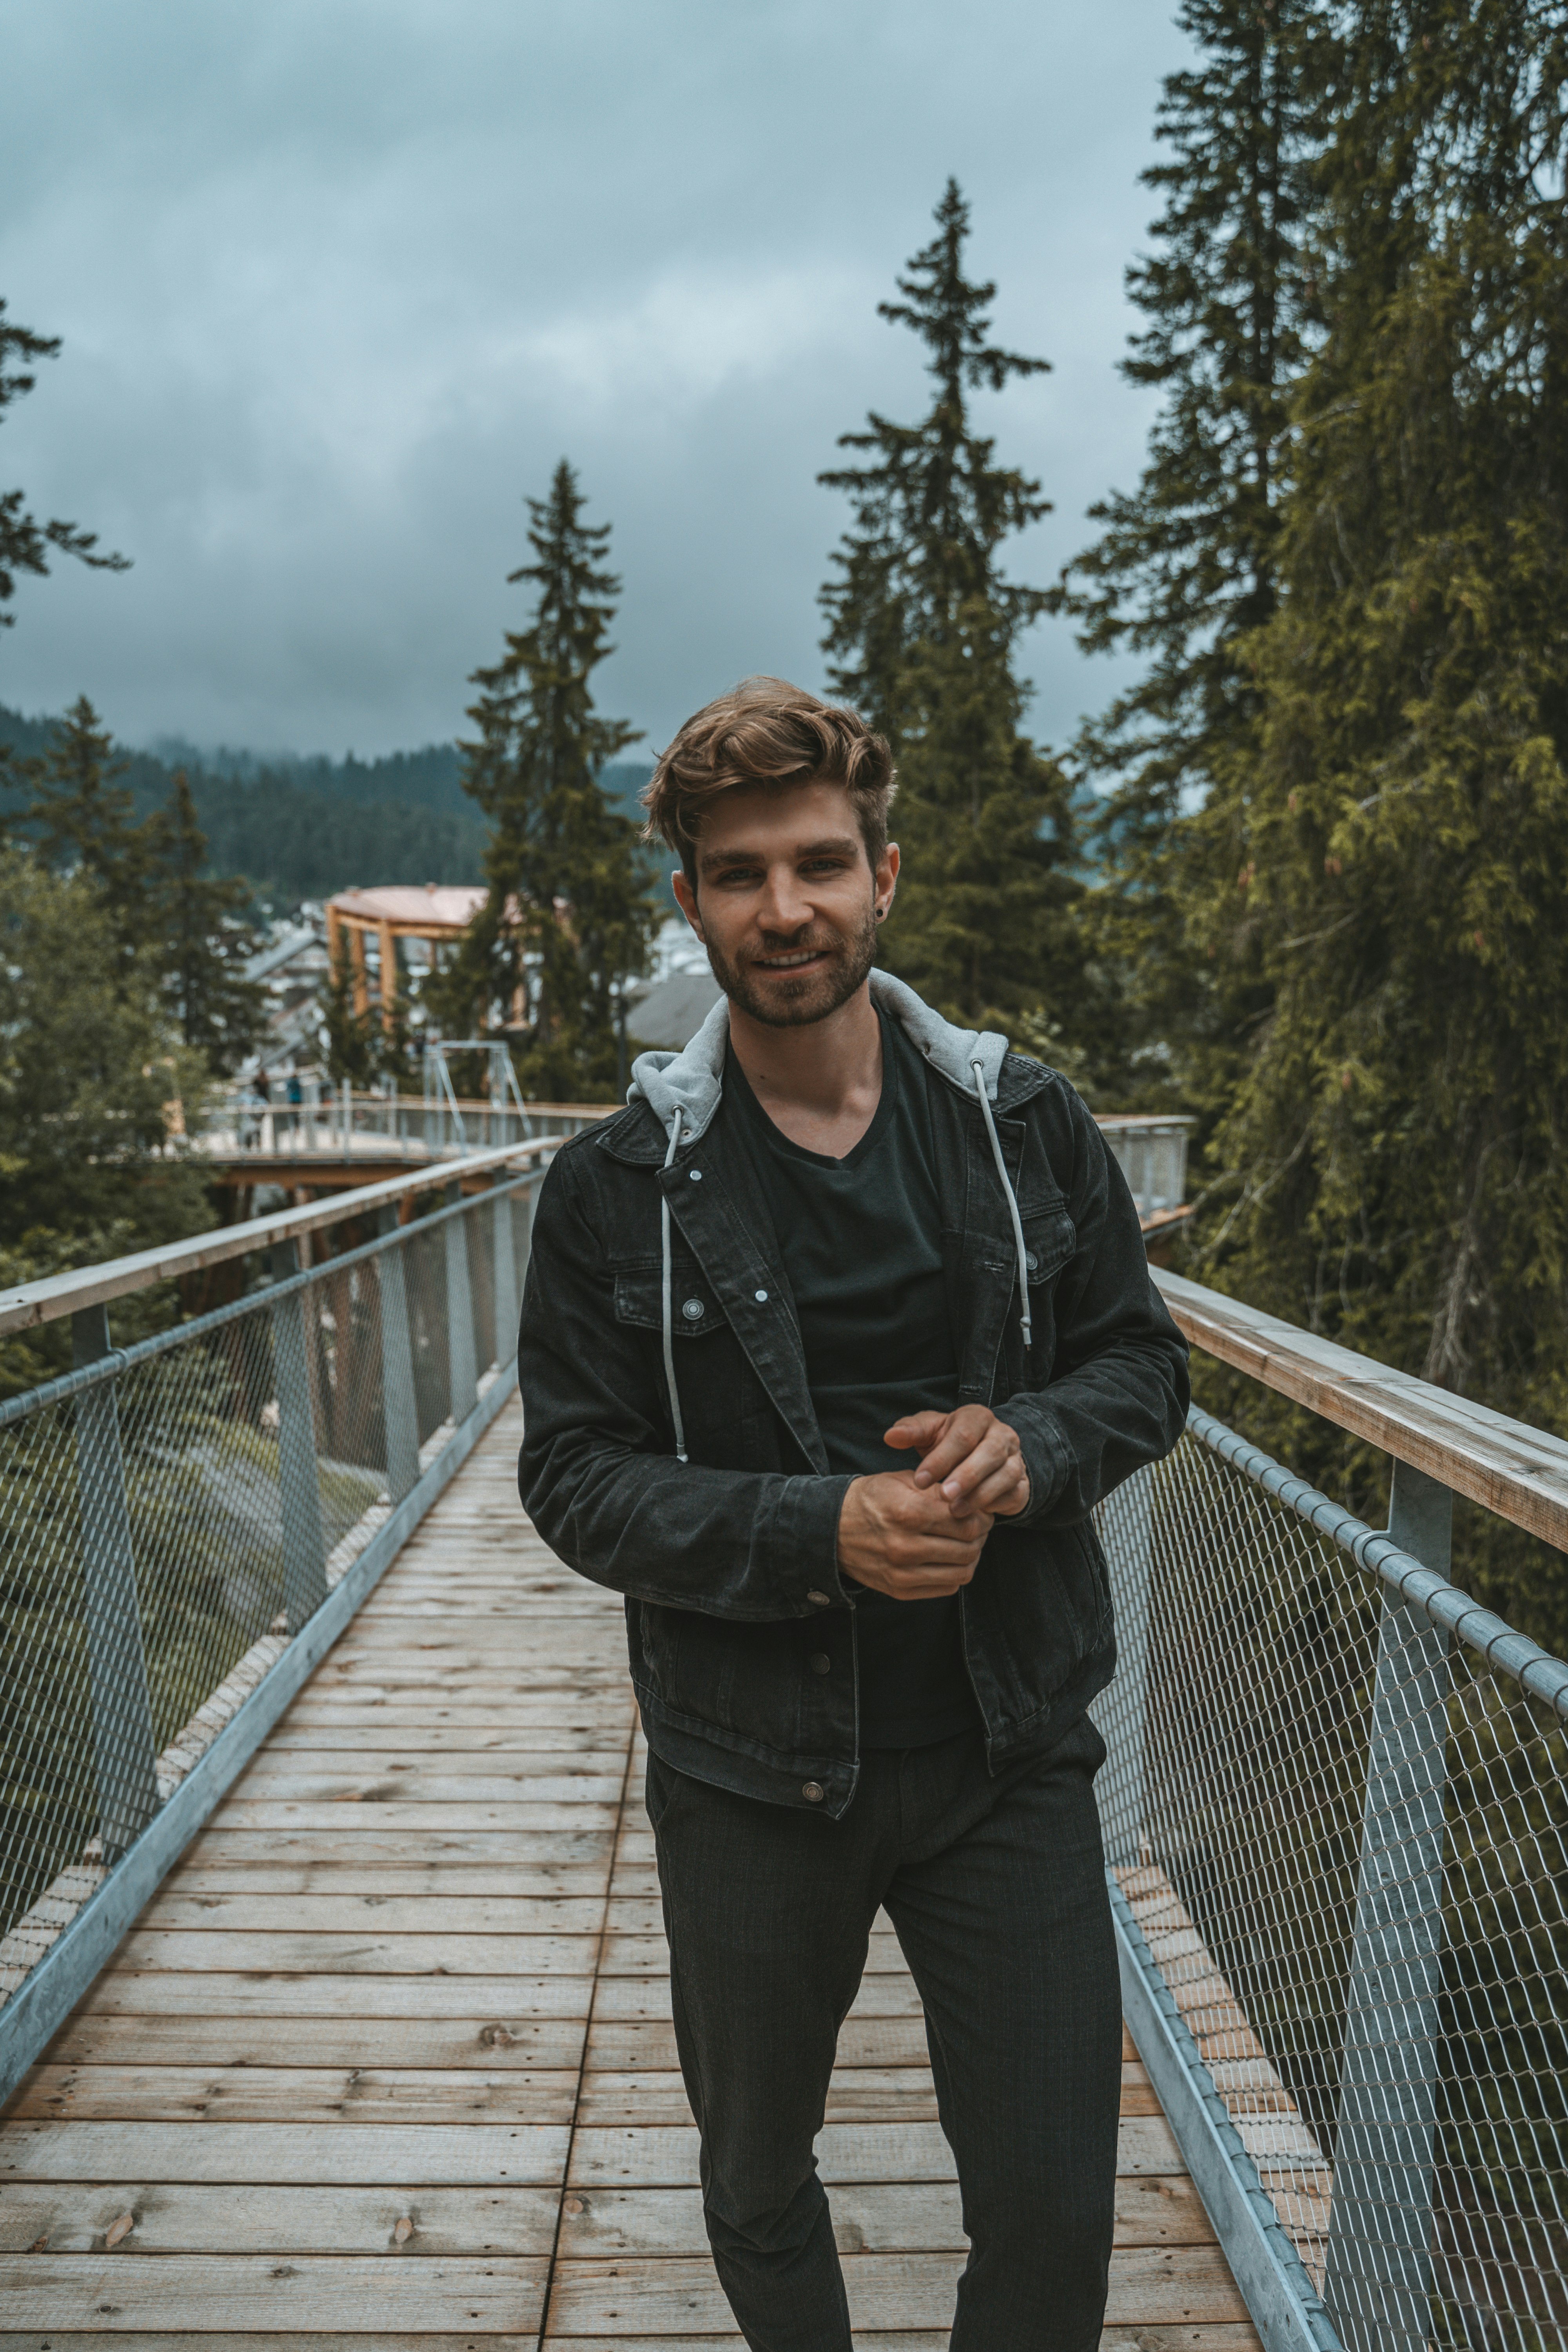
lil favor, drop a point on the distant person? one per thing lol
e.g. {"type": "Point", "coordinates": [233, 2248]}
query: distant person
{"type": "Point", "coordinates": [831, 1343]}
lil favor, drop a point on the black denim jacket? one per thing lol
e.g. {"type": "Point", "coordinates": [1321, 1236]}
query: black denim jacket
{"type": "Point", "coordinates": [729, 1560]}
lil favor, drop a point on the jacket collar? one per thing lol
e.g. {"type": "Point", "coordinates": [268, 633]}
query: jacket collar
{"type": "Point", "coordinates": [692, 1081]}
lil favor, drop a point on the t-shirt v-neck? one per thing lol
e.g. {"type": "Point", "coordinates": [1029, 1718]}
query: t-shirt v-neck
{"type": "Point", "coordinates": [860, 1241]}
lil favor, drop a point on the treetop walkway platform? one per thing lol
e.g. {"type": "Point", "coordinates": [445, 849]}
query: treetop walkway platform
{"type": "Point", "coordinates": [333, 2004]}
{"type": "Point", "coordinates": [389, 2055]}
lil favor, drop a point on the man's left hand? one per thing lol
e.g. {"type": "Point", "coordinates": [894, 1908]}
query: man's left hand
{"type": "Point", "coordinates": [974, 1458]}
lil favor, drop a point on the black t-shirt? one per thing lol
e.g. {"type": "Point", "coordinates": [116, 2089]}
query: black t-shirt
{"type": "Point", "coordinates": [860, 1240]}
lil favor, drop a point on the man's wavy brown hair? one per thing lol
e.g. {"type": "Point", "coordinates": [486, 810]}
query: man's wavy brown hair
{"type": "Point", "coordinates": [766, 735]}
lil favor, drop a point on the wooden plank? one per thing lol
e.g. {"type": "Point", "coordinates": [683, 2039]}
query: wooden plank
{"type": "Point", "coordinates": [377, 1914]}
{"type": "Point", "coordinates": [360, 1841]}
{"type": "Point", "coordinates": [1520, 1472]}
{"type": "Point", "coordinates": [135, 2340]}
{"type": "Point", "coordinates": [200, 2218]}
{"type": "Point", "coordinates": [1218, 2336]}
{"type": "Point", "coordinates": [325, 1737]}
{"type": "Point", "coordinates": [340, 1881]}
{"type": "Point", "coordinates": [642, 1956]}
{"type": "Point", "coordinates": [439, 1820]}
{"type": "Point", "coordinates": [1169, 2286]}
{"type": "Point", "coordinates": [215, 2293]}
{"type": "Point", "coordinates": [294, 2093]}
{"type": "Point", "coordinates": [517, 2042]}
{"type": "Point", "coordinates": [886, 1994]}
{"type": "Point", "coordinates": [415, 2156]}
{"type": "Point", "coordinates": [868, 2094]}
{"type": "Point", "coordinates": [362, 1955]}
{"type": "Point", "coordinates": [446, 1785]}
{"type": "Point", "coordinates": [132, 1992]}
{"type": "Point", "coordinates": [645, 2045]}
{"type": "Point", "coordinates": [877, 2218]}
{"type": "Point", "coordinates": [666, 2156]}
{"type": "Point", "coordinates": [443, 1760]}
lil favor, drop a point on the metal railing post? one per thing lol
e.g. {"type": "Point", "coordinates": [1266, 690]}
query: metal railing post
{"type": "Point", "coordinates": [123, 1750]}
{"type": "Point", "coordinates": [506, 1281]}
{"type": "Point", "coordinates": [305, 1540]}
{"type": "Point", "coordinates": [460, 1353]}
{"type": "Point", "coordinates": [1378, 2279]}
{"type": "Point", "coordinates": [1121, 1712]}
{"type": "Point", "coordinates": [399, 1409]}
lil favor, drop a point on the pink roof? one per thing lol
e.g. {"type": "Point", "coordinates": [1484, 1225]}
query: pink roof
{"type": "Point", "coordinates": [444, 906]}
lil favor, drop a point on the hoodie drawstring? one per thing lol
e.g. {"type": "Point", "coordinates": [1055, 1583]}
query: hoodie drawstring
{"type": "Point", "coordinates": [669, 1309]}
{"type": "Point", "coordinates": [979, 1069]}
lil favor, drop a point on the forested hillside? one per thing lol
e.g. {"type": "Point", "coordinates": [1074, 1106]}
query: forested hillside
{"type": "Point", "coordinates": [301, 828]}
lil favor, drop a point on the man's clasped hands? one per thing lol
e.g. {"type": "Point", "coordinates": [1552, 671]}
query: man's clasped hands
{"type": "Point", "coordinates": [916, 1535]}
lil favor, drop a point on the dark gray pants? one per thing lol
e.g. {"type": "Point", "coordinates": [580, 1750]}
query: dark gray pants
{"type": "Point", "coordinates": [996, 1888]}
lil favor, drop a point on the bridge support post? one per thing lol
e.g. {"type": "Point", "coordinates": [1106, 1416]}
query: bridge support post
{"type": "Point", "coordinates": [461, 1319]}
{"type": "Point", "coordinates": [304, 1541]}
{"type": "Point", "coordinates": [123, 1750]}
{"type": "Point", "coordinates": [507, 1300]}
{"type": "Point", "coordinates": [1120, 1712]}
{"type": "Point", "coordinates": [1378, 2281]}
{"type": "Point", "coordinates": [399, 1409]}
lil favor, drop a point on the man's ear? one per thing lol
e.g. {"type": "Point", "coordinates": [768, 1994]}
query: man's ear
{"type": "Point", "coordinates": [686, 899]}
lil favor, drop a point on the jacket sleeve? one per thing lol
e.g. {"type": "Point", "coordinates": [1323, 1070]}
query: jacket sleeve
{"type": "Point", "coordinates": [598, 1473]}
{"type": "Point", "coordinates": [1118, 1392]}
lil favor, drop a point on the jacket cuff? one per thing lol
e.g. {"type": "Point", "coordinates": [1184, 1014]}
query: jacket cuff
{"type": "Point", "coordinates": [1047, 1456]}
{"type": "Point", "coordinates": [806, 1534]}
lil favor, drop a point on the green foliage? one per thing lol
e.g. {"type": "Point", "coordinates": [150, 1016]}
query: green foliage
{"type": "Point", "coordinates": [25, 543]}
{"type": "Point", "coordinates": [90, 1064]}
{"type": "Point", "coordinates": [931, 508]}
{"type": "Point", "coordinates": [923, 627]}
{"type": "Point", "coordinates": [1184, 566]}
{"type": "Point", "coordinates": [203, 940]}
{"type": "Point", "coordinates": [568, 914]}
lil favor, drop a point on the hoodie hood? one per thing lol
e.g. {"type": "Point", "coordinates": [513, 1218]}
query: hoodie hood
{"type": "Point", "coordinates": [692, 1081]}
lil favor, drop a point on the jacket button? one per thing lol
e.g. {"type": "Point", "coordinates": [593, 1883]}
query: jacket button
{"type": "Point", "coordinates": [694, 1310]}
{"type": "Point", "coordinates": [1032, 1262]}
{"type": "Point", "coordinates": [812, 1793]}
{"type": "Point", "coordinates": [822, 1663]}
{"type": "Point", "coordinates": [819, 1600]}
{"type": "Point", "coordinates": [697, 1175]}
{"type": "Point", "coordinates": [762, 1297]}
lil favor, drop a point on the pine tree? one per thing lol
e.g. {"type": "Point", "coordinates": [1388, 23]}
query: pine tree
{"type": "Point", "coordinates": [568, 914]}
{"type": "Point", "coordinates": [922, 632]}
{"type": "Point", "coordinates": [204, 938]}
{"type": "Point", "coordinates": [25, 543]}
{"type": "Point", "coordinates": [82, 819]}
{"type": "Point", "coordinates": [1387, 859]}
{"type": "Point", "coordinates": [932, 508]}
{"type": "Point", "coordinates": [1185, 566]}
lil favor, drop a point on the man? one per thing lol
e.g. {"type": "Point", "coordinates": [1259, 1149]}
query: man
{"type": "Point", "coordinates": [832, 1340]}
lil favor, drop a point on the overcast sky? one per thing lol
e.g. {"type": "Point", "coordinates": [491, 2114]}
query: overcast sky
{"type": "Point", "coordinates": [339, 280]}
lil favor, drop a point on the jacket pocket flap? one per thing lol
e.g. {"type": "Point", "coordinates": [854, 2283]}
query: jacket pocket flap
{"type": "Point", "coordinates": [695, 1311]}
{"type": "Point", "coordinates": [1050, 1238]}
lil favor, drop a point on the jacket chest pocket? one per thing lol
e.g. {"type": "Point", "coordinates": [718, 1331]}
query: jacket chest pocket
{"type": "Point", "coordinates": [1050, 1238]}
{"type": "Point", "coordinates": [716, 1386]}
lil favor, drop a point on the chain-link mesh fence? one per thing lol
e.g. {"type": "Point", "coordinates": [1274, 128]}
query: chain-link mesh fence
{"type": "Point", "coordinates": [1343, 1832]}
{"type": "Point", "coordinates": [171, 1515]}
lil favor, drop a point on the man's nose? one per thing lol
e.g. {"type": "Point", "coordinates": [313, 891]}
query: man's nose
{"type": "Point", "coordinates": [784, 906]}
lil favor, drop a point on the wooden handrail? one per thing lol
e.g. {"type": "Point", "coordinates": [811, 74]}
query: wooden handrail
{"type": "Point", "coordinates": [32, 1303]}
{"type": "Point", "coordinates": [1520, 1472]}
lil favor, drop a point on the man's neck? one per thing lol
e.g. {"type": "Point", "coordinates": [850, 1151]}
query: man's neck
{"type": "Point", "coordinates": [819, 1083]}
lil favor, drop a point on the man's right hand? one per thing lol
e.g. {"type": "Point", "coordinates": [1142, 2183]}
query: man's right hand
{"type": "Point", "coordinates": [904, 1540]}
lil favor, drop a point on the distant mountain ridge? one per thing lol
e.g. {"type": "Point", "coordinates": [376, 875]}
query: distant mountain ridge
{"type": "Point", "coordinates": [301, 827]}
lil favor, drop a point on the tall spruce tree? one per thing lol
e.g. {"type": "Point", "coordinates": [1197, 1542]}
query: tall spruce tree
{"type": "Point", "coordinates": [82, 819]}
{"type": "Point", "coordinates": [568, 914]}
{"type": "Point", "coordinates": [204, 938]}
{"type": "Point", "coordinates": [923, 630]}
{"type": "Point", "coordinates": [1387, 848]}
{"type": "Point", "coordinates": [1185, 565]}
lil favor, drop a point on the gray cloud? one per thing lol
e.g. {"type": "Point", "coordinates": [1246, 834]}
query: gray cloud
{"type": "Point", "coordinates": [339, 280]}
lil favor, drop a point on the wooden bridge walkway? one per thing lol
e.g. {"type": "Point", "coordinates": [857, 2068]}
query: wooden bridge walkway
{"type": "Point", "coordinates": [389, 2058]}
